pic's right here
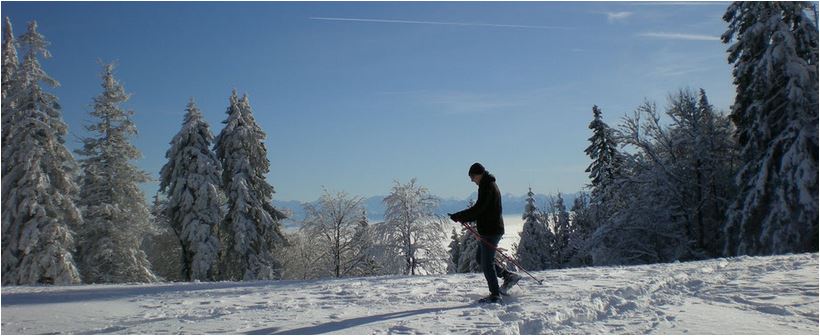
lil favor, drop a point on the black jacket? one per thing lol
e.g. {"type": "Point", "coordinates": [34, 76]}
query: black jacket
{"type": "Point", "coordinates": [487, 209]}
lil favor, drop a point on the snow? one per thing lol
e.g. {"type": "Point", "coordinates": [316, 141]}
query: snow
{"type": "Point", "coordinates": [760, 295]}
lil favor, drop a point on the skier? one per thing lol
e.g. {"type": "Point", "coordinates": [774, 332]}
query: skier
{"type": "Point", "coordinates": [487, 214]}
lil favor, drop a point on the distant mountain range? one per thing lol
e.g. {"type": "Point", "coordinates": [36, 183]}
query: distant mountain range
{"type": "Point", "coordinates": [375, 206]}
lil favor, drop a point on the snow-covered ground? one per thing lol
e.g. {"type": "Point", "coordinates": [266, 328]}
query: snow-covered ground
{"type": "Point", "coordinates": [762, 295]}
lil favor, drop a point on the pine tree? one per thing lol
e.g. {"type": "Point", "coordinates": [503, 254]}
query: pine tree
{"type": "Point", "coordinates": [162, 246]}
{"type": "Point", "coordinates": [774, 53]}
{"type": "Point", "coordinates": [583, 224]}
{"type": "Point", "coordinates": [468, 248]}
{"type": "Point", "coordinates": [117, 218]}
{"type": "Point", "coordinates": [191, 178]}
{"type": "Point", "coordinates": [468, 245]}
{"type": "Point", "coordinates": [10, 62]}
{"type": "Point", "coordinates": [563, 230]}
{"type": "Point", "coordinates": [251, 228]}
{"type": "Point", "coordinates": [467, 262]}
{"type": "Point", "coordinates": [454, 250]}
{"type": "Point", "coordinates": [603, 150]}
{"type": "Point", "coordinates": [537, 240]}
{"type": "Point", "coordinates": [38, 210]}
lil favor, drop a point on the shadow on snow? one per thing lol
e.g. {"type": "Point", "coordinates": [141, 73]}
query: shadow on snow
{"type": "Point", "coordinates": [113, 292]}
{"type": "Point", "coordinates": [354, 322]}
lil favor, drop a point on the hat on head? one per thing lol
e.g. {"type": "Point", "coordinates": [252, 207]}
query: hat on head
{"type": "Point", "coordinates": [476, 169]}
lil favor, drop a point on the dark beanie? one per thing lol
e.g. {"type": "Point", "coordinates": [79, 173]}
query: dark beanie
{"type": "Point", "coordinates": [476, 169]}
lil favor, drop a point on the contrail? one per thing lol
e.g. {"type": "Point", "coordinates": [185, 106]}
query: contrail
{"type": "Point", "coordinates": [439, 23]}
{"type": "Point", "coordinates": [680, 36]}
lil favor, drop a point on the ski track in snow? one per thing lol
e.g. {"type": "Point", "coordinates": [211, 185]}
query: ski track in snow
{"type": "Point", "coordinates": [760, 295]}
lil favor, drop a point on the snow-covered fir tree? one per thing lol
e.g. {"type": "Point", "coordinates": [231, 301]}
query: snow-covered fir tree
{"type": "Point", "coordinates": [562, 250]}
{"type": "Point", "coordinates": [192, 180]}
{"type": "Point", "coordinates": [454, 250]}
{"type": "Point", "coordinates": [468, 245]}
{"type": "Point", "coordinates": [10, 61]}
{"type": "Point", "coordinates": [467, 262]}
{"type": "Point", "coordinates": [411, 238]}
{"type": "Point", "coordinates": [583, 223]}
{"type": "Point", "coordinates": [251, 229]}
{"type": "Point", "coordinates": [774, 53]}
{"type": "Point", "coordinates": [117, 218]}
{"type": "Point", "coordinates": [336, 223]}
{"type": "Point", "coordinates": [38, 210]}
{"type": "Point", "coordinates": [10, 64]}
{"type": "Point", "coordinates": [606, 160]}
{"type": "Point", "coordinates": [536, 243]}
{"type": "Point", "coordinates": [162, 246]}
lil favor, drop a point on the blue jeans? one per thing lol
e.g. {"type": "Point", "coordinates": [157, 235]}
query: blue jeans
{"type": "Point", "coordinates": [485, 256]}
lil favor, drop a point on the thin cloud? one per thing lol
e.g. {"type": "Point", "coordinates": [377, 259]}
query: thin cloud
{"type": "Point", "coordinates": [484, 102]}
{"type": "Point", "coordinates": [473, 24]}
{"type": "Point", "coordinates": [680, 36]}
{"type": "Point", "coordinates": [617, 16]}
{"type": "Point", "coordinates": [669, 62]}
{"type": "Point", "coordinates": [677, 70]}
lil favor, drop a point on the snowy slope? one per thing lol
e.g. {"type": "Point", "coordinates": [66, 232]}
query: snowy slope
{"type": "Point", "coordinates": [766, 295]}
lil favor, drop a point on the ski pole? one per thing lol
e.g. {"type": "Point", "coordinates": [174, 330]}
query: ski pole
{"type": "Point", "coordinates": [515, 262]}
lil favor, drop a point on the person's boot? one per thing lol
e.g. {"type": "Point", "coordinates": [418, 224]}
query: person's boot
{"type": "Point", "coordinates": [493, 298]}
{"type": "Point", "coordinates": [510, 280]}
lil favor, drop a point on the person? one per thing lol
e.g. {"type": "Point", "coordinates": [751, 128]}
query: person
{"type": "Point", "coordinates": [486, 212]}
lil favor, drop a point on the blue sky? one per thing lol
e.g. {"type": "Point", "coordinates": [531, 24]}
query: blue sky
{"type": "Point", "coordinates": [354, 95]}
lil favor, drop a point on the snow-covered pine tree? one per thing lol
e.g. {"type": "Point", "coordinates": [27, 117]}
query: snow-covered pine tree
{"type": "Point", "coordinates": [412, 237]}
{"type": "Point", "coordinates": [334, 220]}
{"type": "Point", "coordinates": [583, 225]}
{"type": "Point", "coordinates": [251, 229]}
{"type": "Point", "coordinates": [10, 65]}
{"type": "Point", "coordinates": [10, 62]}
{"type": "Point", "coordinates": [467, 262]}
{"type": "Point", "coordinates": [454, 249]}
{"type": "Point", "coordinates": [192, 181]}
{"type": "Point", "coordinates": [534, 247]}
{"type": "Point", "coordinates": [116, 215]}
{"type": "Point", "coordinates": [162, 246]}
{"type": "Point", "coordinates": [38, 210]}
{"type": "Point", "coordinates": [563, 230]}
{"type": "Point", "coordinates": [774, 53]}
{"type": "Point", "coordinates": [606, 160]}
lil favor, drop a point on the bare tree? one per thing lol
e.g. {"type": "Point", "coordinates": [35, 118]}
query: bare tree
{"type": "Point", "coordinates": [412, 238]}
{"type": "Point", "coordinates": [333, 223]}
